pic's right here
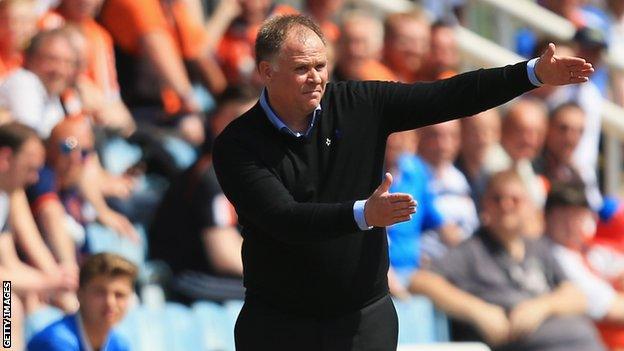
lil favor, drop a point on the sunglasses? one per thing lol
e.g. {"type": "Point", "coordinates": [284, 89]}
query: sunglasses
{"type": "Point", "coordinates": [70, 145]}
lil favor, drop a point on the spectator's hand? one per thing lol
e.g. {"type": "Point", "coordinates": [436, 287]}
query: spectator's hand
{"type": "Point", "coordinates": [191, 129]}
{"type": "Point", "coordinates": [384, 209]}
{"type": "Point", "coordinates": [119, 223]}
{"type": "Point", "coordinates": [526, 317]}
{"type": "Point", "coordinates": [67, 301]}
{"type": "Point", "coordinates": [561, 70]}
{"type": "Point", "coordinates": [229, 9]}
{"type": "Point", "coordinates": [492, 323]}
{"type": "Point", "coordinates": [119, 186]}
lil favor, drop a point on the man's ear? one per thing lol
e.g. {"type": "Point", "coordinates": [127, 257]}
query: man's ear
{"type": "Point", "coordinates": [265, 68]}
{"type": "Point", "coordinates": [6, 154]}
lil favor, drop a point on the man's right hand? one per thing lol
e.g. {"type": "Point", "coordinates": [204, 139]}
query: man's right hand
{"type": "Point", "coordinates": [383, 209]}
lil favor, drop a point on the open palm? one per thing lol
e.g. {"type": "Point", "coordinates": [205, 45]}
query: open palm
{"type": "Point", "coordinates": [562, 70]}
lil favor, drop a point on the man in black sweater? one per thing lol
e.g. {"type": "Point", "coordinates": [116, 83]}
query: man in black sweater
{"type": "Point", "coordinates": [300, 168]}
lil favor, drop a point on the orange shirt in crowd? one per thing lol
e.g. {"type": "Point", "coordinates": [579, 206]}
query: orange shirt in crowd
{"type": "Point", "coordinates": [375, 70]}
{"type": "Point", "coordinates": [129, 20]}
{"type": "Point", "coordinates": [100, 65]}
{"type": "Point", "coordinates": [236, 49]}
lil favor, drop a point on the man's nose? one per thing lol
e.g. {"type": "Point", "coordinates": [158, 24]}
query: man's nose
{"type": "Point", "coordinates": [315, 76]}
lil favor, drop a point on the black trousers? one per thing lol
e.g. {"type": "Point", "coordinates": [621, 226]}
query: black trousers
{"type": "Point", "coordinates": [260, 327]}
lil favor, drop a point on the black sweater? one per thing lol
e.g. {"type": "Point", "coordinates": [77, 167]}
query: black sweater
{"type": "Point", "coordinates": [303, 252]}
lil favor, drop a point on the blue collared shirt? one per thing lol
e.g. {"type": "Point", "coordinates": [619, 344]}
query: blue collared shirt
{"type": "Point", "coordinates": [358, 206]}
{"type": "Point", "coordinates": [277, 122]}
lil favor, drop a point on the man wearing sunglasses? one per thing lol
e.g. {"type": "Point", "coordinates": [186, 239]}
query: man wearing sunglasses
{"type": "Point", "coordinates": [56, 194]}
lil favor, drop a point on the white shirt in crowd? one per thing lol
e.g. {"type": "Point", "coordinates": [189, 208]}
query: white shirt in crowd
{"type": "Point", "coordinates": [25, 97]}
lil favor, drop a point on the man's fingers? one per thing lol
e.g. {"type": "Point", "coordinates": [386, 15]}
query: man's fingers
{"type": "Point", "coordinates": [405, 212]}
{"type": "Point", "coordinates": [385, 184]}
{"type": "Point", "coordinates": [400, 197]}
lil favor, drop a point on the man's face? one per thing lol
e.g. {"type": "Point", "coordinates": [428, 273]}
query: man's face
{"type": "Point", "coordinates": [80, 10]}
{"type": "Point", "coordinates": [104, 300]}
{"type": "Point", "coordinates": [505, 207]}
{"type": "Point", "coordinates": [18, 23]}
{"type": "Point", "coordinates": [407, 49]}
{"type": "Point", "coordinates": [355, 43]}
{"type": "Point", "coordinates": [524, 133]}
{"type": "Point", "coordinates": [571, 226]}
{"type": "Point", "coordinates": [55, 63]}
{"type": "Point", "coordinates": [439, 143]}
{"type": "Point", "coordinates": [69, 149]}
{"type": "Point", "coordinates": [24, 165]}
{"type": "Point", "coordinates": [296, 80]}
{"type": "Point", "coordinates": [479, 133]}
{"type": "Point", "coordinates": [444, 54]}
{"type": "Point", "coordinates": [564, 133]}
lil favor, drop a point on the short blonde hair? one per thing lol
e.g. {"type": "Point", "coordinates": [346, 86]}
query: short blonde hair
{"type": "Point", "coordinates": [108, 265]}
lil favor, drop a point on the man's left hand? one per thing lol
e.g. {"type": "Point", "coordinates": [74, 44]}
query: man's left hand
{"type": "Point", "coordinates": [561, 70]}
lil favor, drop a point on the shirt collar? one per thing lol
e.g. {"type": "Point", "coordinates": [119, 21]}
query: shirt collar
{"type": "Point", "coordinates": [277, 122]}
{"type": "Point", "coordinates": [84, 338]}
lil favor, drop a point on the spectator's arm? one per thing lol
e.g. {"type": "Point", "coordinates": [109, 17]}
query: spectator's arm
{"type": "Point", "coordinates": [528, 315]}
{"type": "Point", "coordinates": [616, 310]}
{"type": "Point", "coordinates": [27, 234]}
{"type": "Point", "coordinates": [160, 50]}
{"type": "Point", "coordinates": [111, 114]}
{"type": "Point", "coordinates": [23, 277]}
{"type": "Point", "coordinates": [52, 218]}
{"type": "Point", "coordinates": [490, 320]}
{"type": "Point", "coordinates": [225, 13]}
{"type": "Point", "coordinates": [93, 174]}
{"type": "Point", "coordinates": [223, 249]}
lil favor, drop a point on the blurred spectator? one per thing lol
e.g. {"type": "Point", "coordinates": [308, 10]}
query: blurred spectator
{"type": "Point", "coordinates": [444, 9]}
{"type": "Point", "coordinates": [60, 194]}
{"type": "Point", "coordinates": [194, 229]}
{"type": "Point", "coordinates": [565, 129]}
{"type": "Point", "coordinates": [17, 26]}
{"type": "Point", "coordinates": [439, 146]}
{"type": "Point", "coordinates": [32, 94]}
{"type": "Point", "coordinates": [322, 11]}
{"type": "Point", "coordinates": [570, 224]}
{"type": "Point", "coordinates": [505, 289]}
{"type": "Point", "coordinates": [522, 139]}
{"type": "Point", "coordinates": [591, 44]}
{"type": "Point", "coordinates": [359, 49]}
{"type": "Point", "coordinates": [153, 41]}
{"type": "Point", "coordinates": [616, 45]}
{"type": "Point", "coordinates": [587, 96]}
{"type": "Point", "coordinates": [21, 156]}
{"type": "Point", "coordinates": [105, 291]}
{"type": "Point", "coordinates": [96, 79]}
{"type": "Point", "coordinates": [480, 134]}
{"type": "Point", "coordinates": [410, 175]}
{"type": "Point", "coordinates": [236, 49]}
{"type": "Point", "coordinates": [406, 44]}
{"type": "Point", "coordinates": [443, 59]}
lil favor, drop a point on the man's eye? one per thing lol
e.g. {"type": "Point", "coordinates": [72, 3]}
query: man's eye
{"type": "Point", "coordinates": [320, 67]}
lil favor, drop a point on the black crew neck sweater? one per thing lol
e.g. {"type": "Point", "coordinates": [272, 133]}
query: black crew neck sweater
{"type": "Point", "coordinates": [303, 252]}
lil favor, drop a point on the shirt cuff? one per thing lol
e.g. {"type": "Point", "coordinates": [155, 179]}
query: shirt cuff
{"type": "Point", "coordinates": [531, 72]}
{"type": "Point", "coordinates": [358, 214]}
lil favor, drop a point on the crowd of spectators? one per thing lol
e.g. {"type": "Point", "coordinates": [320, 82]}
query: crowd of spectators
{"type": "Point", "coordinates": [107, 113]}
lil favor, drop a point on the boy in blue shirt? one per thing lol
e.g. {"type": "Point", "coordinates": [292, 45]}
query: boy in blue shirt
{"type": "Point", "coordinates": [106, 285]}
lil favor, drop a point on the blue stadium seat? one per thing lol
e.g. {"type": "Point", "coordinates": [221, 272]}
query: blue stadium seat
{"type": "Point", "coordinates": [184, 333]}
{"type": "Point", "coordinates": [118, 155]}
{"type": "Point", "coordinates": [417, 322]}
{"type": "Point", "coordinates": [183, 153]}
{"type": "Point", "coordinates": [217, 331]}
{"type": "Point", "coordinates": [103, 239]}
